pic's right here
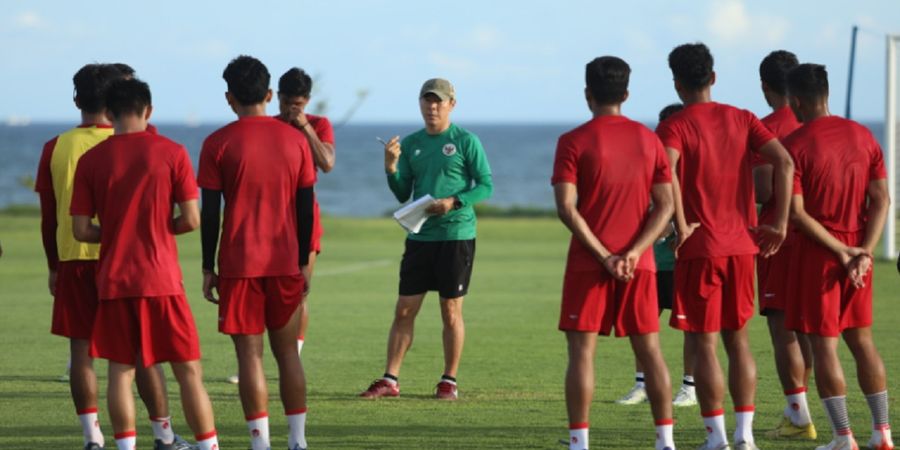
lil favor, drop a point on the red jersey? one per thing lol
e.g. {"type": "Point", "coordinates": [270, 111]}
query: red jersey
{"type": "Point", "coordinates": [835, 160]}
{"type": "Point", "coordinates": [132, 181]}
{"type": "Point", "coordinates": [781, 123]}
{"type": "Point", "coordinates": [715, 142]}
{"type": "Point", "coordinates": [613, 161]}
{"type": "Point", "coordinates": [258, 163]}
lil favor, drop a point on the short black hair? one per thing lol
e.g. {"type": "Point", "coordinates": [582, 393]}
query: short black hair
{"type": "Point", "coordinates": [692, 65]}
{"type": "Point", "coordinates": [247, 79]}
{"type": "Point", "coordinates": [669, 110]}
{"type": "Point", "coordinates": [126, 70]}
{"type": "Point", "coordinates": [774, 68]}
{"type": "Point", "coordinates": [295, 83]}
{"type": "Point", "coordinates": [91, 83]}
{"type": "Point", "coordinates": [607, 79]}
{"type": "Point", "coordinates": [127, 96]}
{"type": "Point", "coordinates": [808, 81]}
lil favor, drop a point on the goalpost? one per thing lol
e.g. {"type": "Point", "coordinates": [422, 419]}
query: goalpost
{"type": "Point", "coordinates": [891, 138]}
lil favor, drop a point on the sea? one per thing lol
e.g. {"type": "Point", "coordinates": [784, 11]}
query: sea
{"type": "Point", "coordinates": [520, 156]}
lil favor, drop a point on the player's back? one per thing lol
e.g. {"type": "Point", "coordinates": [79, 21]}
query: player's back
{"type": "Point", "coordinates": [258, 163]}
{"type": "Point", "coordinates": [134, 181]}
{"type": "Point", "coordinates": [835, 160]}
{"type": "Point", "coordinates": [613, 162]}
{"type": "Point", "coordinates": [715, 142]}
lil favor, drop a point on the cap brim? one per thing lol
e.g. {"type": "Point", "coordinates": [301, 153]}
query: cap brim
{"type": "Point", "coordinates": [444, 97]}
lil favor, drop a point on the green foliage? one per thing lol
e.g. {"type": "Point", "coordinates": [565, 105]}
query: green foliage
{"type": "Point", "coordinates": [511, 379]}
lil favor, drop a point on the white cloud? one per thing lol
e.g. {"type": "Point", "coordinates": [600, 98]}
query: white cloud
{"type": "Point", "coordinates": [451, 64]}
{"type": "Point", "coordinates": [484, 37]}
{"type": "Point", "coordinates": [730, 23]}
{"type": "Point", "coordinates": [30, 20]}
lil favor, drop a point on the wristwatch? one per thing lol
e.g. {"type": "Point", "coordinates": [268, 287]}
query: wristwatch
{"type": "Point", "coordinates": [456, 203]}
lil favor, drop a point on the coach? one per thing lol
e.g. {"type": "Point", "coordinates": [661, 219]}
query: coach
{"type": "Point", "coordinates": [448, 163]}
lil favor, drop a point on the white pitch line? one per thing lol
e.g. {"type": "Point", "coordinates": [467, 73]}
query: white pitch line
{"type": "Point", "coordinates": [352, 268]}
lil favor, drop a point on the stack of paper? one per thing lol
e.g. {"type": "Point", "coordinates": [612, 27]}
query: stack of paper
{"type": "Point", "coordinates": [412, 216]}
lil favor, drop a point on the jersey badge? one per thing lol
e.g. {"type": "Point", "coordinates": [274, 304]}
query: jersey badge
{"type": "Point", "coordinates": [449, 149]}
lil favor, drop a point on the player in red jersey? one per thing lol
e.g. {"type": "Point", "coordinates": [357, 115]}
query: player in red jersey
{"type": "Point", "coordinates": [73, 264]}
{"type": "Point", "coordinates": [605, 175]}
{"type": "Point", "coordinates": [710, 147]}
{"type": "Point", "coordinates": [793, 355]}
{"type": "Point", "coordinates": [840, 205]}
{"type": "Point", "coordinates": [131, 181]}
{"type": "Point", "coordinates": [264, 169]}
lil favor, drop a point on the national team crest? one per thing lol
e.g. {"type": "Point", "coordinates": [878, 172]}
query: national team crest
{"type": "Point", "coordinates": [449, 149]}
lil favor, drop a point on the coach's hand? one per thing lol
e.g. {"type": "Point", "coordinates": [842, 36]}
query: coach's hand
{"type": "Point", "coordinates": [391, 154]}
{"type": "Point", "coordinates": [51, 283]}
{"type": "Point", "coordinates": [210, 282]}
{"type": "Point", "coordinates": [440, 206]}
{"type": "Point", "coordinates": [769, 239]}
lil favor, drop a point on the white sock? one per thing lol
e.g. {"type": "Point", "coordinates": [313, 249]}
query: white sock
{"type": "Point", "coordinates": [162, 429]}
{"type": "Point", "coordinates": [664, 437]}
{"type": "Point", "coordinates": [126, 440]}
{"type": "Point", "coordinates": [715, 427]}
{"type": "Point", "coordinates": [90, 426]}
{"type": "Point", "coordinates": [296, 428]}
{"type": "Point", "coordinates": [797, 408]}
{"type": "Point", "coordinates": [259, 432]}
{"type": "Point", "coordinates": [743, 431]}
{"type": "Point", "coordinates": [578, 437]}
{"type": "Point", "coordinates": [390, 380]}
{"type": "Point", "coordinates": [209, 441]}
{"type": "Point", "coordinates": [299, 346]}
{"type": "Point", "coordinates": [639, 379]}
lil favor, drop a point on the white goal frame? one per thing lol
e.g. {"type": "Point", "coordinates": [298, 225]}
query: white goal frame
{"type": "Point", "coordinates": [890, 140]}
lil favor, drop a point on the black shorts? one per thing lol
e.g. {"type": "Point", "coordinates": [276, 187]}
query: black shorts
{"type": "Point", "coordinates": [443, 266]}
{"type": "Point", "coordinates": [665, 289]}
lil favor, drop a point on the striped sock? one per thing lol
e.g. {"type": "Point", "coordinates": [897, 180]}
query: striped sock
{"type": "Point", "coordinates": [207, 441]}
{"type": "Point", "coordinates": [878, 404]}
{"type": "Point", "coordinates": [639, 379]}
{"type": "Point", "coordinates": [578, 436]}
{"type": "Point", "coordinates": [162, 429]}
{"type": "Point", "coordinates": [126, 440]}
{"type": "Point", "coordinates": [836, 409]}
{"type": "Point", "coordinates": [296, 427]}
{"type": "Point", "coordinates": [90, 426]}
{"type": "Point", "coordinates": [258, 424]}
{"type": "Point", "coordinates": [743, 431]}
{"type": "Point", "coordinates": [688, 380]}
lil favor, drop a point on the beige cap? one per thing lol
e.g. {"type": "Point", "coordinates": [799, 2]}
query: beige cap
{"type": "Point", "coordinates": [440, 87]}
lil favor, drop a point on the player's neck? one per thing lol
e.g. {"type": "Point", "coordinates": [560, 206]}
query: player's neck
{"type": "Point", "coordinates": [94, 119]}
{"type": "Point", "coordinates": [130, 124]}
{"type": "Point", "coordinates": [693, 97]}
{"type": "Point", "coordinates": [606, 110]}
{"type": "Point", "coordinates": [777, 102]}
{"type": "Point", "coordinates": [254, 110]}
{"type": "Point", "coordinates": [816, 111]}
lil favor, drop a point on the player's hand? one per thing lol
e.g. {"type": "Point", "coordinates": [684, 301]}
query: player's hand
{"type": "Point", "coordinates": [630, 260]}
{"type": "Point", "coordinates": [51, 283]}
{"type": "Point", "coordinates": [391, 154]}
{"type": "Point", "coordinates": [769, 239]}
{"type": "Point", "coordinates": [858, 268]}
{"type": "Point", "coordinates": [440, 206]}
{"type": "Point", "coordinates": [615, 265]}
{"type": "Point", "coordinates": [306, 271]}
{"type": "Point", "coordinates": [684, 234]}
{"type": "Point", "coordinates": [298, 118]}
{"type": "Point", "coordinates": [210, 282]}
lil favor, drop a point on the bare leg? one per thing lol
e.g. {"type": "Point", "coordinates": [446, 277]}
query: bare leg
{"type": "Point", "coordinates": [252, 386]}
{"type": "Point", "coordinates": [151, 386]}
{"type": "Point", "coordinates": [707, 372]}
{"type": "Point", "coordinates": [454, 333]}
{"type": "Point", "coordinates": [658, 386]}
{"type": "Point", "coordinates": [828, 370]}
{"type": "Point", "coordinates": [291, 379]}
{"type": "Point", "coordinates": [82, 378]}
{"type": "Point", "coordinates": [401, 334]}
{"type": "Point", "coordinates": [741, 367]}
{"type": "Point", "coordinates": [119, 397]}
{"type": "Point", "coordinates": [580, 375]}
{"type": "Point", "coordinates": [688, 352]}
{"type": "Point", "coordinates": [869, 366]}
{"type": "Point", "coordinates": [194, 399]}
{"type": "Point", "coordinates": [789, 358]}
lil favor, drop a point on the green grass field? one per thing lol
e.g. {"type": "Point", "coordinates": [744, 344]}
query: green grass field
{"type": "Point", "coordinates": [511, 379]}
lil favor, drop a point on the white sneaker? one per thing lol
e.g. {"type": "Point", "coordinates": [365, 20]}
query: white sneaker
{"type": "Point", "coordinates": [686, 396]}
{"type": "Point", "coordinates": [841, 442]}
{"type": "Point", "coordinates": [707, 446]}
{"type": "Point", "coordinates": [881, 440]}
{"type": "Point", "coordinates": [636, 395]}
{"type": "Point", "coordinates": [233, 379]}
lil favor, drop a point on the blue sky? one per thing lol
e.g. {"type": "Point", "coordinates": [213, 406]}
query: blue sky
{"type": "Point", "coordinates": [511, 61]}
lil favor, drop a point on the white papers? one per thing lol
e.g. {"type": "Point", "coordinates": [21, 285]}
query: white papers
{"type": "Point", "coordinates": [412, 216]}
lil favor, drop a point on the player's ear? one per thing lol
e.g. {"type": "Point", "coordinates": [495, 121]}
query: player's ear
{"type": "Point", "coordinates": [106, 114]}
{"type": "Point", "coordinates": [712, 78]}
{"type": "Point", "coordinates": [625, 96]}
{"type": "Point", "coordinates": [148, 112]}
{"type": "Point", "coordinates": [268, 96]}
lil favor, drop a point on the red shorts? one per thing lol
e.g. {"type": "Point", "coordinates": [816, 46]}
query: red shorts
{"type": "Point", "coordinates": [594, 301]}
{"type": "Point", "coordinates": [712, 294]}
{"type": "Point", "coordinates": [826, 302]}
{"type": "Point", "coordinates": [252, 305]}
{"type": "Point", "coordinates": [76, 300]}
{"type": "Point", "coordinates": [159, 329]}
{"type": "Point", "coordinates": [774, 273]}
